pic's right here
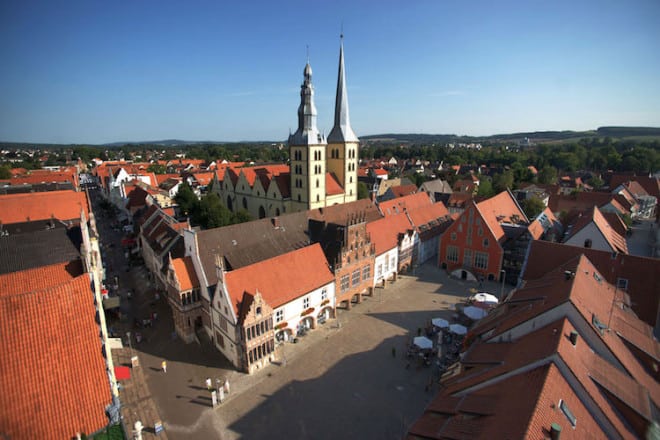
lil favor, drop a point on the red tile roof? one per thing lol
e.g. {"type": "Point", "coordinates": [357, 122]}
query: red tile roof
{"type": "Point", "coordinates": [594, 216]}
{"type": "Point", "coordinates": [642, 274]}
{"type": "Point", "coordinates": [385, 232]}
{"type": "Point", "coordinates": [332, 186]}
{"type": "Point", "coordinates": [43, 178]}
{"type": "Point", "coordinates": [62, 205]}
{"type": "Point", "coordinates": [275, 280]}
{"type": "Point", "coordinates": [53, 380]}
{"type": "Point", "coordinates": [406, 203]}
{"type": "Point", "coordinates": [160, 178]}
{"type": "Point", "coordinates": [203, 178]}
{"type": "Point", "coordinates": [15, 283]}
{"type": "Point", "coordinates": [185, 273]}
{"type": "Point", "coordinates": [499, 209]}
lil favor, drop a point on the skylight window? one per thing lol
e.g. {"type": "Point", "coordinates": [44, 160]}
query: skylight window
{"type": "Point", "coordinates": [567, 412]}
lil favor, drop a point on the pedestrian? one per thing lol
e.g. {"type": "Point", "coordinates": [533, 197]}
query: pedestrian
{"type": "Point", "coordinates": [226, 387]}
{"type": "Point", "coordinates": [209, 384]}
{"type": "Point", "coordinates": [164, 366]}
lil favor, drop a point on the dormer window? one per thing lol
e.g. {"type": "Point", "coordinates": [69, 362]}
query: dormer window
{"type": "Point", "coordinates": [258, 311]}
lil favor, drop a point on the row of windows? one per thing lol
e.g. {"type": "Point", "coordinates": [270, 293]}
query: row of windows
{"type": "Point", "coordinates": [279, 314]}
{"type": "Point", "coordinates": [334, 153]}
{"type": "Point", "coordinates": [190, 297]}
{"type": "Point", "coordinates": [480, 260]}
{"type": "Point", "coordinates": [258, 329]}
{"type": "Point", "coordinates": [485, 241]}
{"type": "Point", "coordinates": [261, 351]}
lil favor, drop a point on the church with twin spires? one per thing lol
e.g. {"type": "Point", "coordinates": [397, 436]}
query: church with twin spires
{"type": "Point", "coordinates": [321, 172]}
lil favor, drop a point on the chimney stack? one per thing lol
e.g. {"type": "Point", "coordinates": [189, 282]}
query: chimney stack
{"type": "Point", "coordinates": [555, 431]}
{"type": "Point", "coordinates": [573, 337]}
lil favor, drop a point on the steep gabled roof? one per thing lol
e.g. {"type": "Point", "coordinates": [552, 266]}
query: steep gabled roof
{"type": "Point", "coordinates": [274, 280]}
{"type": "Point", "coordinates": [595, 217]}
{"type": "Point", "coordinates": [642, 274]}
{"type": "Point", "coordinates": [406, 203]}
{"type": "Point", "coordinates": [332, 185]}
{"type": "Point", "coordinates": [62, 205]}
{"type": "Point", "coordinates": [385, 232]}
{"type": "Point", "coordinates": [502, 208]}
{"type": "Point", "coordinates": [185, 273]}
{"type": "Point", "coordinates": [53, 380]}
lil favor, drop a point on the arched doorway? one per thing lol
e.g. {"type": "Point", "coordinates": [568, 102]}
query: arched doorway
{"type": "Point", "coordinates": [262, 212]}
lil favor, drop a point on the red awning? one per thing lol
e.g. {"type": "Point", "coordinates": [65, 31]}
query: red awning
{"type": "Point", "coordinates": [122, 372]}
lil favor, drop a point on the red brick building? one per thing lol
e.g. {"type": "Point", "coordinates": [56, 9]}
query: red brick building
{"type": "Point", "coordinates": [473, 246]}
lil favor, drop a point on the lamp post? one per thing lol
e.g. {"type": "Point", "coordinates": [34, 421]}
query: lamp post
{"type": "Point", "coordinates": [503, 276]}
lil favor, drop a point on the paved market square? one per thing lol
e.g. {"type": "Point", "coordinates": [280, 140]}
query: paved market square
{"type": "Point", "coordinates": [339, 381]}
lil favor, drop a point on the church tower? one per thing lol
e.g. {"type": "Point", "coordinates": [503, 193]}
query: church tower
{"type": "Point", "coordinates": [343, 145]}
{"type": "Point", "coordinates": [307, 152]}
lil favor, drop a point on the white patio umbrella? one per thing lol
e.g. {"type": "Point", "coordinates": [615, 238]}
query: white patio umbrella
{"type": "Point", "coordinates": [458, 329]}
{"type": "Point", "coordinates": [423, 342]}
{"type": "Point", "coordinates": [439, 322]}
{"type": "Point", "coordinates": [474, 312]}
{"type": "Point", "coordinates": [483, 297]}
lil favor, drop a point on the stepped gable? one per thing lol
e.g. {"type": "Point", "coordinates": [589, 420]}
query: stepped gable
{"type": "Point", "coordinates": [272, 277]}
{"type": "Point", "coordinates": [38, 398]}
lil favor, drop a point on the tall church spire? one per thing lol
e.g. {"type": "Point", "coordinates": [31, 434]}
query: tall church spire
{"type": "Point", "coordinates": [341, 131]}
{"type": "Point", "coordinates": [307, 132]}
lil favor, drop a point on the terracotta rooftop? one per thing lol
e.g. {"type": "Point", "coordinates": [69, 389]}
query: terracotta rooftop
{"type": "Point", "coordinates": [341, 213]}
{"type": "Point", "coordinates": [641, 274]}
{"type": "Point", "coordinates": [185, 273]}
{"type": "Point", "coordinates": [332, 185]}
{"type": "Point", "coordinates": [385, 232]}
{"type": "Point", "coordinates": [54, 381]}
{"type": "Point", "coordinates": [203, 178]}
{"type": "Point", "coordinates": [650, 184]}
{"type": "Point", "coordinates": [406, 203]}
{"type": "Point", "coordinates": [273, 279]}
{"type": "Point", "coordinates": [62, 205]}
{"type": "Point", "coordinates": [595, 217]}
{"type": "Point", "coordinates": [501, 208]}
{"type": "Point", "coordinates": [29, 280]}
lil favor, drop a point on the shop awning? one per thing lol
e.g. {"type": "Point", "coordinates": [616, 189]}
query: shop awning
{"type": "Point", "coordinates": [111, 303]}
{"type": "Point", "coordinates": [122, 372]}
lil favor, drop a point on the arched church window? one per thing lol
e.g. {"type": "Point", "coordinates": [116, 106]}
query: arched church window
{"type": "Point", "coordinates": [318, 198]}
{"type": "Point", "coordinates": [317, 183]}
{"type": "Point", "coordinates": [351, 179]}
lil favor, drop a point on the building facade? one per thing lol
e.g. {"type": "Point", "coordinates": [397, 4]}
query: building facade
{"type": "Point", "coordinates": [321, 172]}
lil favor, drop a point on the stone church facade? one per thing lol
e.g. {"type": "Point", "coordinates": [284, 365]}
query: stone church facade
{"type": "Point", "coordinates": [321, 172]}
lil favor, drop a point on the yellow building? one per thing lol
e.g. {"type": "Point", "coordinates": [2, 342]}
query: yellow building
{"type": "Point", "coordinates": [322, 172]}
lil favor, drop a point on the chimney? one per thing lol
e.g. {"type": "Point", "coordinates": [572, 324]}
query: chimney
{"type": "Point", "coordinates": [568, 274]}
{"type": "Point", "coordinates": [573, 337]}
{"type": "Point", "coordinates": [555, 431]}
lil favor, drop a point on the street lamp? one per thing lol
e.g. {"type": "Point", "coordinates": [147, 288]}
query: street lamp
{"type": "Point", "coordinates": [503, 276]}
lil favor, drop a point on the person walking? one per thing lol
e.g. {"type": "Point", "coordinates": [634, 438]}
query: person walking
{"type": "Point", "coordinates": [164, 366]}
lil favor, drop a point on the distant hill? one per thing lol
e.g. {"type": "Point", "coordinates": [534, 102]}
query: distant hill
{"type": "Point", "coordinates": [535, 136]}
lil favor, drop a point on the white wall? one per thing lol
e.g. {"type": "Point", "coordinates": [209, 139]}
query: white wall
{"type": "Point", "coordinates": [294, 308]}
{"type": "Point", "coordinates": [391, 269]}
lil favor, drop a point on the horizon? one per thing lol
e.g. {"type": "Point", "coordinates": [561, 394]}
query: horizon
{"type": "Point", "coordinates": [83, 73]}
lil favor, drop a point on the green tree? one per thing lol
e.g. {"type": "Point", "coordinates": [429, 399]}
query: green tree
{"type": "Point", "coordinates": [211, 213]}
{"type": "Point", "coordinates": [5, 172]}
{"type": "Point", "coordinates": [532, 207]}
{"type": "Point", "coordinates": [596, 182]}
{"type": "Point", "coordinates": [241, 216]}
{"type": "Point", "coordinates": [363, 191]}
{"type": "Point", "coordinates": [485, 188]}
{"type": "Point", "coordinates": [547, 175]}
{"type": "Point", "coordinates": [186, 199]}
{"type": "Point", "coordinates": [503, 181]}
{"type": "Point", "coordinates": [157, 168]}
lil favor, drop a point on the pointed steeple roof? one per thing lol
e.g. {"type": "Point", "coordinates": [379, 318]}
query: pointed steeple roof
{"type": "Point", "coordinates": [307, 133]}
{"type": "Point", "coordinates": [342, 131]}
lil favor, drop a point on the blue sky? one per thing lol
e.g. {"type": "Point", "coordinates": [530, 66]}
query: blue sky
{"type": "Point", "coordinates": [95, 72]}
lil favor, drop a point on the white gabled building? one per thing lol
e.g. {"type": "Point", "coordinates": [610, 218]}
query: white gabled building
{"type": "Point", "coordinates": [385, 239]}
{"type": "Point", "coordinates": [257, 306]}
